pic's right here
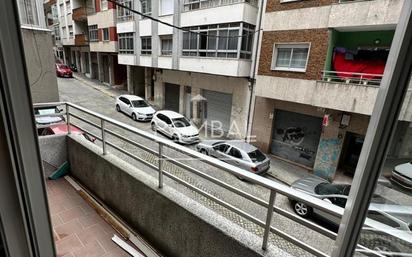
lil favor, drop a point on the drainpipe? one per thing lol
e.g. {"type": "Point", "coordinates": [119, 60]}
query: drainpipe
{"type": "Point", "coordinates": [252, 78]}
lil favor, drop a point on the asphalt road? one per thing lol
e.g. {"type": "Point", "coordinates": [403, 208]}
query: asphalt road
{"type": "Point", "coordinates": [78, 92]}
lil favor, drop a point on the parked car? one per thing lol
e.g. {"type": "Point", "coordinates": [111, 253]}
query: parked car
{"type": "Point", "coordinates": [63, 70]}
{"type": "Point", "coordinates": [175, 126]}
{"type": "Point", "coordinates": [134, 106]}
{"type": "Point", "coordinates": [46, 120]}
{"type": "Point", "coordinates": [402, 175]}
{"type": "Point", "coordinates": [62, 129]}
{"type": "Point", "coordinates": [238, 153]}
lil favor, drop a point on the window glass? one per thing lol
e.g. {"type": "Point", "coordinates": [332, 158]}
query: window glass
{"type": "Point", "coordinates": [221, 148]}
{"type": "Point", "coordinates": [146, 6]}
{"type": "Point", "coordinates": [146, 45]}
{"type": "Point", "coordinates": [93, 33]}
{"type": "Point", "coordinates": [234, 152]}
{"type": "Point", "coordinates": [166, 45]}
{"type": "Point", "coordinates": [181, 122]}
{"type": "Point", "coordinates": [283, 57]}
{"type": "Point", "coordinates": [257, 156]}
{"type": "Point", "coordinates": [290, 57]}
{"type": "Point", "coordinates": [106, 34]}
{"type": "Point", "coordinates": [124, 14]}
{"type": "Point", "coordinates": [126, 43]}
{"type": "Point", "coordinates": [139, 103]}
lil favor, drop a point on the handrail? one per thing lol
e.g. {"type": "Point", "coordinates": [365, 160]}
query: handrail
{"type": "Point", "coordinates": [352, 77]}
{"type": "Point", "coordinates": [273, 186]}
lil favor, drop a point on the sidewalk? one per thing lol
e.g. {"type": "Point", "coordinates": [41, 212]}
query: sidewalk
{"type": "Point", "coordinates": [286, 172]}
{"type": "Point", "coordinates": [110, 91]}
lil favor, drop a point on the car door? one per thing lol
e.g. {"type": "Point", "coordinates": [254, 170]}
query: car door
{"type": "Point", "coordinates": [127, 107]}
{"type": "Point", "coordinates": [219, 151]}
{"type": "Point", "coordinates": [336, 200]}
{"type": "Point", "coordinates": [161, 123]}
{"type": "Point", "coordinates": [169, 128]}
{"type": "Point", "coordinates": [235, 157]}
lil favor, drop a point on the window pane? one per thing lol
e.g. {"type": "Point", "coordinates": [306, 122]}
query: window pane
{"type": "Point", "coordinates": [223, 39]}
{"type": "Point", "coordinates": [193, 40]}
{"type": "Point", "coordinates": [233, 39]}
{"type": "Point", "coordinates": [283, 57]}
{"type": "Point", "coordinates": [211, 41]}
{"type": "Point", "coordinates": [299, 57]}
{"type": "Point", "coordinates": [186, 42]}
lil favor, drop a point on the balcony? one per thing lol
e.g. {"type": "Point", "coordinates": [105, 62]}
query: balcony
{"type": "Point", "coordinates": [352, 78]}
{"type": "Point", "coordinates": [190, 5]}
{"type": "Point", "coordinates": [80, 14]}
{"type": "Point", "coordinates": [155, 187]}
{"type": "Point", "coordinates": [81, 40]}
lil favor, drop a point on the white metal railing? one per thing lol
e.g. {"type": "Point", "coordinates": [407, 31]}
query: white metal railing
{"type": "Point", "coordinates": [191, 5]}
{"type": "Point", "coordinates": [352, 77]}
{"type": "Point", "coordinates": [273, 186]}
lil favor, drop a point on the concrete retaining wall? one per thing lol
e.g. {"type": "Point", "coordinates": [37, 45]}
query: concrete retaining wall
{"type": "Point", "coordinates": [171, 222]}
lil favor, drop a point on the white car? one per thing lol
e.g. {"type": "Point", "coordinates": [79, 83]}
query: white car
{"type": "Point", "coordinates": [175, 126]}
{"type": "Point", "coordinates": [402, 175]}
{"type": "Point", "coordinates": [134, 106]}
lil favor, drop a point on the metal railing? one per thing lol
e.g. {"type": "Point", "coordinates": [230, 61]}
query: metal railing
{"type": "Point", "coordinates": [352, 77]}
{"type": "Point", "coordinates": [273, 186]}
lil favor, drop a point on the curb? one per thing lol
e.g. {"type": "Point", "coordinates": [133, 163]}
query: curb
{"type": "Point", "coordinates": [85, 81]}
{"type": "Point", "coordinates": [280, 179]}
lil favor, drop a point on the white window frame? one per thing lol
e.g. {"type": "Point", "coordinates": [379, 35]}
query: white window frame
{"type": "Point", "coordinates": [104, 5]}
{"type": "Point", "coordinates": [289, 45]}
{"type": "Point", "coordinates": [163, 12]}
{"type": "Point", "coordinates": [68, 7]}
{"type": "Point", "coordinates": [71, 32]}
{"type": "Point", "coordinates": [164, 52]}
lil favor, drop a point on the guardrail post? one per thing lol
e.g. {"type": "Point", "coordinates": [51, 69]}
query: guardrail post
{"type": "Point", "coordinates": [269, 216]}
{"type": "Point", "coordinates": [160, 169]}
{"type": "Point", "coordinates": [102, 123]}
{"type": "Point", "coordinates": [69, 131]}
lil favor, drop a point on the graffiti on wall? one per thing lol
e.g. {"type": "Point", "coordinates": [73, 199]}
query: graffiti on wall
{"type": "Point", "coordinates": [328, 157]}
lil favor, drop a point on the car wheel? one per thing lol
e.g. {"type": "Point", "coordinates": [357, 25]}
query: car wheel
{"type": "Point", "coordinates": [134, 116]}
{"type": "Point", "coordinates": [302, 209]}
{"type": "Point", "coordinates": [203, 151]}
{"type": "Point", "coordinates": [175, 138]}
{"type": "Point", "coordinates": [117, 108]}
{"type": "Point", "coordinates": [153, 126]}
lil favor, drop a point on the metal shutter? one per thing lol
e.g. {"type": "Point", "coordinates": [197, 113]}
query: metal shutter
{"type": "Point", "coordinates": [172, 93]}
{"type": "Point", "coordinates": [219, 108]}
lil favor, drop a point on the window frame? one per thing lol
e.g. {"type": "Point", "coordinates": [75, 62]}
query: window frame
{"type": "Point", "coordinates": [104, 39]}
{"type": "Point", "coordinates": [125, 14]}
{"type": "Point", "coordinates": [146, 7]}
{"type": "Point", "coordinates": [104, 4]}
{"type": "Point", "coordinates": [145, 50]}
{"type": "Point", "coordinates": [166, 52]}
{"type": "Point", "coordinates": [123, 43]}
{"type": "Point", "coordinates": [71, 32]}
{"type": "Point", "coordinates": [93, 33]}
{"type": "Point", "coordinates": [297, 45]}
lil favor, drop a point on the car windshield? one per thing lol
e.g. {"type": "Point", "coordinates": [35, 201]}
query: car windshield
{"type": "Point", "coordinates": [46, 111]}
{"type": "Point", "coordinates": [62, 66]}
{"type": "Point", "coordinates": [257, 156]}
{"type": "Point", "coordinates": [332, 189]}
{"type": "Point", "coordinates": [181, 122]}
{"type": "Point", "coordinates": [139, 103]}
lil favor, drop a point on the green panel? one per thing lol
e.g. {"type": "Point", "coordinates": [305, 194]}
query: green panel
{"type": "Point", "coordinates": [333, 36]}
{"type": "Point", "coordinates": [353, 40]}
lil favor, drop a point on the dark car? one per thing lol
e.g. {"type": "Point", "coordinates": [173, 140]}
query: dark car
{"type": "Point", "coordinates": [63, 70]}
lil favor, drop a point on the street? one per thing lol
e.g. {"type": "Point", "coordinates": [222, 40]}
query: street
{"type": "Point", "coordinates": [78, 92]}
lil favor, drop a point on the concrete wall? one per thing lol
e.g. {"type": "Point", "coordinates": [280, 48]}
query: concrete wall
{"type": "Point", "coordinates": [237, 87]}
{"type": "Point", "coordinates": [53, 151]}
{"type": "Point", "coordinates": [38, 51]}
{"type": "Point", "coordinates": [172, 223]}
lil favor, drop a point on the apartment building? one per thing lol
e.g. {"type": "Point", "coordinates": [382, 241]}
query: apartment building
{"type": "Point", "coordinates": [103, 44]}
{"type": "Point", "coordinates": [37, 42]}
{"type": "Point", "coordinates": [320, 67]}
{"type": "Point", "coordinates": [203, 74]}
{"type": "Point", "coordinates": [71, 34]}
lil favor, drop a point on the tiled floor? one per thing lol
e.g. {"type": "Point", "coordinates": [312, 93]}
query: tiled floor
{"type": "Point", "coordinates": [78, 230]}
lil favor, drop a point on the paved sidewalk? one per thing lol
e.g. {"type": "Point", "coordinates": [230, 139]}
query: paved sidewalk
{"type": "Point", "coordinates": [110, 91]}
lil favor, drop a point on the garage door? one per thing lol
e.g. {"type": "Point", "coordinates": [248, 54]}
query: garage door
{"type": "Point", "coordinates": [296, 136]}
{"type": "Point", "coordinates": [218, 108]}
{"type": "Point", "coordinates": [172, 93]}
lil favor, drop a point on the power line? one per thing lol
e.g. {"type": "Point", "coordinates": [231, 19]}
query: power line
{"type": "Point", "coordinates": [177, 27]}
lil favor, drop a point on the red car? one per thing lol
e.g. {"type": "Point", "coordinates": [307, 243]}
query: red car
{"type": "Point", "coordinates": [61, 129]}
{"type": "Point", "coordinates": [63, 70]}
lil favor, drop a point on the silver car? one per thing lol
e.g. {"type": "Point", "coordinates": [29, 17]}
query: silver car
{"type": "Point", "coordinates": [238, 153]}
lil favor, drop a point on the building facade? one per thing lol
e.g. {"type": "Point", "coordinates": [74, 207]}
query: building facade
{"type": "Point", "coordinates": [38, 45]}
{"type": "Point", "coordinates": [320, 67]}
{"type": "Point", "coordinates": [203, 74]}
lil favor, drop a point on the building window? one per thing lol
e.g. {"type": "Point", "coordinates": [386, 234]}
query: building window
{"type": "Point", "coordinates": [62, 10]}
{"type": "Point", "coordinates": [93, 33]}
{"type": "Point", "coordinates": [104, 5]}
{"type": "Point", "coordinates": [64, 32]}
{"type": "Point", "coordinates": [70, 31]}
{"type": "Point", "coordinates": [290, 57]}
{"type": "Point", "coordinates": [28, 12]}
{"type": "Point", "coordinates": [146, 45]}
{"type": "Point", "coordinates": [166, 7]}
{"type": "Point", "coordinates": [56, 33]}
{"type": "Point", "coordinates": [125, 14]}
{"type": "Point", "coordinates": [68, 8]}
{"type": "Point", "coordinates": [146, 6]}
{"type": "Point", "coordinates": [166, 45]}
{"type": "Point", "coordinates": [247, 41]}
{"type": "Point", "coordinates": [106, 34]}
{"type": "Point", "coordinates": [217, 41]}
{"type": "Point", "coordinates": [126, 43]}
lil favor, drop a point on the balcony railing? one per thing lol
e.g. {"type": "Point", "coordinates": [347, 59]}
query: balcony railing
{"type": "Point", "coordinates": [191, 5]}
{"type": "Point", "coordinates": [109, 128]}
{"type": "Point", "coordinates": [79, 14]}
{"type": "Point", "coordinates": [352, 78]}
{"type": "Point", "coordinates": [81, 40]}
